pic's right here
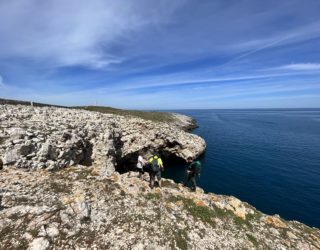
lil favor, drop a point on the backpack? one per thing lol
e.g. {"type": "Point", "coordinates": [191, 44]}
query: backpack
{"type": "Point", "coordinates": [197, 167]}
{"type": "Point", "coordinates": [154, 165]}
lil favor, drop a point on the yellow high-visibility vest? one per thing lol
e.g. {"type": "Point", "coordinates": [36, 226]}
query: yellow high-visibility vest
{"type": "Point", "coordinates": [160, 163]}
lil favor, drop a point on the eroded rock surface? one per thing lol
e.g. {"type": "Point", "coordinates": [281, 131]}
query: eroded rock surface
{"type": "Point", "coordinates": [54, 138]}
{"type": "Point", "coordinates": [74, 209]}
{"type": "Point", "coordinates": [83, 203]}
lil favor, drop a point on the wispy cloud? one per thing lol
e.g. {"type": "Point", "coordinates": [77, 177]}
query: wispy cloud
{"type": "Point", "coordinates": [70, 33]}
{"type": "Point", "coordinates": [302, 66]}
{"type": "Point", "coordinates": [141, 52]}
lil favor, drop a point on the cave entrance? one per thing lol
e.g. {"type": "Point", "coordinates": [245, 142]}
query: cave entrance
{"type": "Point", "coordinates": [171, 163]}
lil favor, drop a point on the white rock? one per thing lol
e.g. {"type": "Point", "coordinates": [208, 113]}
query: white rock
{"type": "Point", "coordinates": [52, 231]}
{"type": "Point", "coordinates": [39, 244]}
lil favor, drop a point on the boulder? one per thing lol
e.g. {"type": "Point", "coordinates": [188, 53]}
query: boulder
{"type": "Point", "coordinates": [16, 133]}
{"type": "Point", "coordinates": [14, 154]}
{"type": "Point", "coordinates": [274, 221]}
{"type": "Point", "coordinates": [39, 244]}
{"type": "Point", "coordinates": [11, 156]}
{"type": "Point", "coordinates": [48, 151]}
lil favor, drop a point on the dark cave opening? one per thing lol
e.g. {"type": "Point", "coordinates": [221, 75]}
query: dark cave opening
{"type": "Point", "coordinates": [129, 162]}
{"type": "Point", "coordinates": [87, 155]}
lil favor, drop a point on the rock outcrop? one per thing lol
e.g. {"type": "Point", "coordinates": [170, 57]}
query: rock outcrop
{"type": "Point", "coordinates": [54, 138]}
{"type": "Point", "coordinates": [59, 189]}
{"type": "Point", "coordinates": [75, 209]}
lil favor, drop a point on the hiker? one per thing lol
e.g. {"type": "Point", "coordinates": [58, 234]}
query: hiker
{"type": "Point", "coordinates": [140, 165]}
{"type": "Point", "coordinates": [193, 171]}
{"type": "Point", "coordinates": [156, 166]}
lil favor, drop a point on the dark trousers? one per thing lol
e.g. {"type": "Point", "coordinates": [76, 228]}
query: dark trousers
{"type": "Point", "coordinates": [191, 177]}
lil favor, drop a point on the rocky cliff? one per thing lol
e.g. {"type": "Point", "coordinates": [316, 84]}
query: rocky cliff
{"type": "Point", "coordinates": [60, 190]}
{"type": "Point", "coordinates": [53, 138]}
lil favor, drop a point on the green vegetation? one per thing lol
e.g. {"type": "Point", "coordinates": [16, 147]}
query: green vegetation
{"type": "Point", "coordinates": [254, 217]}
{"type": "Point", "coordinates": [253, 240]}
{"type": "Point", "coordinates": [175, 199]}
{"type": "Point", "coordinates": [181, 237]}
{"type": "Point", "coordinates": [83, 173]}
{"type": "Point", "coordinates": [59, 187]}
{"type": "Point", "coordinates": [34, 233]}
{"type": "Point", "coordinates": [204, 213]}
{"type": "Point", "coordinates": [169, 184]}
{"type": "Point", "coordinates": [146, 115]}
{"type": "Point", "coordinates": [153, 196]}
{"type": "Point", "coordinates": [15, 102]}
{"type": "Point", "coordinates": [239, 221]}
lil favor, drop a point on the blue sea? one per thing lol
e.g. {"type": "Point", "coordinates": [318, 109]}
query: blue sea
{"type": "Point", "coordinates": [268, 158]}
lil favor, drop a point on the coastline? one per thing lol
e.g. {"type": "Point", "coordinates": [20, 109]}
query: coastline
{"type": "Point", "coordinates": [78, 201]}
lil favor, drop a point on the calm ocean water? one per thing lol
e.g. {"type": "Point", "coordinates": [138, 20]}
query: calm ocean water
{"type": "Point", "coordinates": [268, 158]}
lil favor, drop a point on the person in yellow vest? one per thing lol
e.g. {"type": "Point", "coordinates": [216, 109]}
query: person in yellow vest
{"type": "Point", "coordinates": [156, 166]}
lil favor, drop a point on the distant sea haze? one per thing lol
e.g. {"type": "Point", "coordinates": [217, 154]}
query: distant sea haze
{"type": "Point", "coordinates": [268, 158]}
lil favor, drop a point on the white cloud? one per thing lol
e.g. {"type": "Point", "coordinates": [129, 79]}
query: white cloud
{"type": "Point", "coordinates": [74, 32]}
{"type": "Point", "coordinates": [98, 33]}
{"type": "Point", "coordinates": [301, 66]}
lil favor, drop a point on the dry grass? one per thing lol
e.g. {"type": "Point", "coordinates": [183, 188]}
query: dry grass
{"type": "Point", "coordinates": [146, 115]}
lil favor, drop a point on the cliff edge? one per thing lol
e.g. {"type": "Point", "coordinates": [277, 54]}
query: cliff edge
{"type": "Point", "coordinates": [54, 138]}
{"type": "Point", "coordinates": [75, 209]}
{"type": "Point", "coordinates": [60, 188]}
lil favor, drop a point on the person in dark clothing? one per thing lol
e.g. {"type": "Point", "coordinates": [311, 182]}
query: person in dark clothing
{"type": "Point", "coordinates": [193, 171]}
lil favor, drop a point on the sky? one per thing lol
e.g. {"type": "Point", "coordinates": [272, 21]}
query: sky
{"type": "Point", "coordinates": [164, 54]}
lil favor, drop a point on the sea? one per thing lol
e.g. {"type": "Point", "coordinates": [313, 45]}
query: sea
{"type": "Point", "coordinates": [268, 158]}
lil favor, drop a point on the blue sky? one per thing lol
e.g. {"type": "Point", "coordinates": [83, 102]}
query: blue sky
{"type": "Point", "coordinates": [166, 54]}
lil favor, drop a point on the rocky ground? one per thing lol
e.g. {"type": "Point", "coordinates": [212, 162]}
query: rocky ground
{"type": "Point", "coordinates": [53, 138]}
{"type": "Point", "coordinates": [74, 209]}
{"type": "Point", "coordinates": [60, 189]}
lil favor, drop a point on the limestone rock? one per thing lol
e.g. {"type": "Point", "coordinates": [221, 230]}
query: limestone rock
{"type": "Point", "coordinates": [236, 206]}
{"type": "Point", "coordinates": [48, 151]}
{"type": "Point", "coordinates": [52, 231]}
{"type": "Point", "coordinates": [72, 208]}
{"type": "Point", "coordinates": [70, 137]}
{"type": "Point", "coordinates": [39, 244]}
{"type": "Point", "coordinates": [16, 133]}
{"type": "Point", "coordinates": [274, 221]}
{"type": "Point", "coordinates": [11, 156]}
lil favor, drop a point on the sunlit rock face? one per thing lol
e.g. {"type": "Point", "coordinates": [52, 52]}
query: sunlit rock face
{"type": "Point", "coordinates": [74, 208]}
{"type": "Point", "coordinates": [54, 138]}
{"type": "Point", "coordinates": [60, 189]}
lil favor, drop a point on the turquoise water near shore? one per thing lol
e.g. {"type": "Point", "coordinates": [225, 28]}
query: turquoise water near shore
{"type": "Point", "coordinates": [268, 158]}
